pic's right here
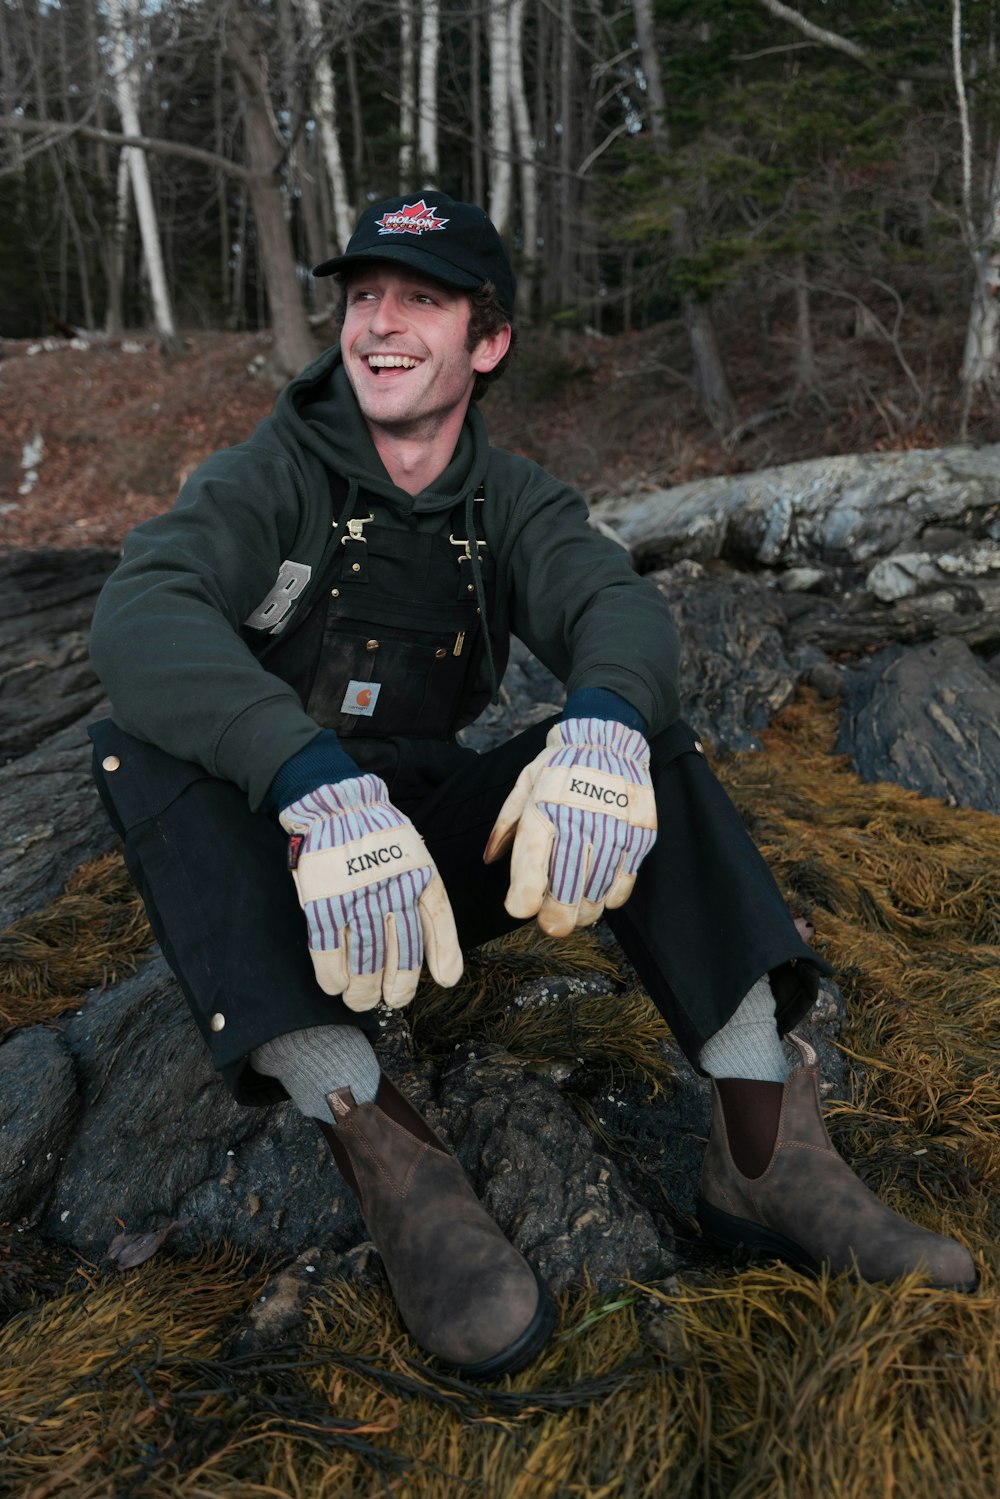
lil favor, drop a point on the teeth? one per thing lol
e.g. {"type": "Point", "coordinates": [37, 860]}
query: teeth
{"type": "Point", "coordinates": [392, 362]}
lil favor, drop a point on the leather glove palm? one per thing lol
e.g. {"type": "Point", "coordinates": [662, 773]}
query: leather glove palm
{"type": "Point", "coordinates": [373, 900]}
{"type": "Point", "coordinates": [581, 817]}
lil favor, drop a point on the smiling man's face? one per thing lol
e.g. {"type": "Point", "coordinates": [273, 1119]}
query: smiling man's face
{"type": "Point", "coordinates": [405, 346]}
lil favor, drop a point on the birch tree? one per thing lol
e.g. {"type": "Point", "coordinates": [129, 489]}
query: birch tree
{"type": "Point", "coordinates": [427, 132]}
{"type": "Point", "coordinates": [325, 108]}
{"type": "Point", "coordinates": [501, 175]}
{"type": "Point", "coordinates": [126, 85]}
{"type": "Point", "coordinates": [982, 337]}
{"type": "Point", "coordinates": [524, 136]}
{"type": "Point", "coordinates": [407, 94]}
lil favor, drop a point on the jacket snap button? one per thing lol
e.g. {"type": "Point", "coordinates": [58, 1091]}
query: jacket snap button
{"type": "Point", "coordinates": [699, 746]}
{"type": "Point", "coordinates": [217, 1021]}
{"type": "Point", "coordinates": [355, 567]}
{"type": "Point", "coordinates": [372, 645]}
{"type": "Point", "coordinates": [110, 762]}
{"type": "Point", "coordinates": [470, 587]}
{"type": "Point", "coordinates": [335, 593]}
{"type": "Point", "coordinates": [440, 655]}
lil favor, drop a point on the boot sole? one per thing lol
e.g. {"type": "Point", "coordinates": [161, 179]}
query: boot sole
{"type": "Point", "coordinates": [742, 1233]}
{"type": "Point", "coordinates": [521, 1352]}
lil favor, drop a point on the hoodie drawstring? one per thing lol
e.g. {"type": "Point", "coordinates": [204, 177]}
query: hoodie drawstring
{"type": "Point", "coordinates": [477, 578]}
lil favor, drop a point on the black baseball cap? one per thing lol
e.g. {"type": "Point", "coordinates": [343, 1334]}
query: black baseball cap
{"type": "Point", "coordinates": [454, 242]}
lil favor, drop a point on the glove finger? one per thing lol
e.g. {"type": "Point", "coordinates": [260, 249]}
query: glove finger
{"type": "Point", "coordinates": [364, 990]}
{"type": "Point", "coordinates": [437, 919]}
{"type": "Point", "coordinates": [620, 890]}
{"type": "Point", "coordinates": [556, 918]}
{"type": "Point", "coordinates": [330, 968]}
{"type": "Point", "coordinates": [391, 967]}
{"type": "Point", "coordinates": [529, 864]}
{"type": "Point", "coordinates": [509, 816]}
{"type": "Point", "coordinates": [588, 912]}
{"type": "Point", "coordinates": [403, 989]}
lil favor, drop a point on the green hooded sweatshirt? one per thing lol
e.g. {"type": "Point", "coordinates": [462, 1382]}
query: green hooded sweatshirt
{"type": "Point", "coordinates": [167, 639]}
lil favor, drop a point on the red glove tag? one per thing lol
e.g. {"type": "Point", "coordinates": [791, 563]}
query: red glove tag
{"type": "Point", "coordinates": [295, 842]}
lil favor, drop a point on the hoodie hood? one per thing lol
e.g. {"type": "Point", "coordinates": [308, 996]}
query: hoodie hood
{"type": "Point", "coordinates": [317, 411]}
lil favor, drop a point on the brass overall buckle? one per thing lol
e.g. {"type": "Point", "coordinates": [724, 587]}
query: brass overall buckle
{"type": "Point", "coordinates": [355, 529]}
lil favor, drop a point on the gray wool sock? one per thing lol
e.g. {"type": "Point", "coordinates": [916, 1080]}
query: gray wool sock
{"type": "Point", "coordinates": [748, 1045]}
{"type": "Point", "coordinates": [312, 1063]}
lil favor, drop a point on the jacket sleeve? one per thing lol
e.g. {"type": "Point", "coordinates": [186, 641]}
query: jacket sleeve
{"type": "Point", "coordinates": [165, 639]}
{"type": "Point", "coordinates": [576, 601]}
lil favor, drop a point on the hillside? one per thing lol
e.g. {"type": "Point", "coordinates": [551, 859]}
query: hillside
{"type": "Point", "coordinates": [121, 426]}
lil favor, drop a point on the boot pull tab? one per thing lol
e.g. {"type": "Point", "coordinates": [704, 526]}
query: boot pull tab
{"type": "Point", "coordinates": [342, 1102]}
{"type": "Point", "coordinates": [806, 1052]}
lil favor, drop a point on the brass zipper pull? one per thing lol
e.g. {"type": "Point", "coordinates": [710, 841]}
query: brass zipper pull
{"type": "Point", "coordinates": [459, 643]}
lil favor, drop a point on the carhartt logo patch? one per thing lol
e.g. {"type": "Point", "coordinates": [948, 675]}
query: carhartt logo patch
{"type": "Point", "coordinates": [412, 218]}
{"type": "Point", "coordinates": [361, 698]}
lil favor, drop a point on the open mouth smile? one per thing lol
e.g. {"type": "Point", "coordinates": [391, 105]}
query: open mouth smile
{"type": "Point", "coordinates": [378, 362]}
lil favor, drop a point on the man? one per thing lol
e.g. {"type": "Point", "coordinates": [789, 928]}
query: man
{"type": "Point", "coordinates": [290, 652]}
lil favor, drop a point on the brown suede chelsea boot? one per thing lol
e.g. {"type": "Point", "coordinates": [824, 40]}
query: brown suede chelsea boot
{"type": "Point", "coordinates": [463, 1290]}
{"type": "Point", "coordinates": [809, 1208]}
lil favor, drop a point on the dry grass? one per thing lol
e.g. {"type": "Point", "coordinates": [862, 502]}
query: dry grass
{"type": "Point", "coordinates": [755, 1384]}
{"type": "Point", "coordinates": [94, 934]}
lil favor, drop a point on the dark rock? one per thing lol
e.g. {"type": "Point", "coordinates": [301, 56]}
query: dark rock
{"type": "Point", "coordinates": [846, 509]}
{"type": "Point", "coordinates": [927, 718]}
{"type": "Point", "coordinates": [528, 693]}
{"type": "Point", "coordinates": [53, 821]}
{"type": "Point", "coordinates": [46, 680]}
{"type": "Point", "coordinates": [159, 1137]}
{"type": "Point", "coordinates": [541, 1174]}
{"type": "Point", "coordinates": [38, 1109]}
{"type": "Point", "coordinates": [734, 673]}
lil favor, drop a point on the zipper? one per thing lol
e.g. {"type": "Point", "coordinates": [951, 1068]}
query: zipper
{"type": "Point", "coordinates": [459, 643]}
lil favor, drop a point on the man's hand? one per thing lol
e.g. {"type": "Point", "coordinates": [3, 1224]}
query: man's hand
{"type": "Point", "coordinates": [582, 817]}
{"type": "Point", "coordinates": [373, 900]}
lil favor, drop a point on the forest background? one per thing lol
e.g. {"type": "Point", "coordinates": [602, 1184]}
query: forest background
{"type": "Point", "coordinates": [788, 215]}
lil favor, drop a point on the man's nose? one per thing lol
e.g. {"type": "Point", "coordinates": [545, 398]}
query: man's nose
{"type": "Point", "coordinates": [388, 316]}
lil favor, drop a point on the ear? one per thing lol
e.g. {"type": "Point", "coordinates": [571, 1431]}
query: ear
{"type": "Point", "coordinates": [489, 351]}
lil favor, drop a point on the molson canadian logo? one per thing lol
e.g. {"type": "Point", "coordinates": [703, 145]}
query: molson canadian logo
{"type": "Point", "coordinates": [412, 218]}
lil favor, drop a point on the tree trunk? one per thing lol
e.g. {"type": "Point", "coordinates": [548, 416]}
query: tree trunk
{"type": "Point", "coordinates": [805, 357]}
{"type": "Point", "coordinates": [476, 106]}
{"type": "Point", "coordinates": [293, 343]}
{"type": "Point", "coordinates": [525, 138]}
{"type": "Point", "coordinates": [325, 103]}
{"type": "Point", "coordinates": [407, 95]}
{"type": "Point", "coordinates": [427, 134]}
{"type": "Point", "coordinates": [114, 317]}
{"type": "Point", "coordinates": [981, 359]}
{"type": "Point", "coordinates": [127, 96]}
{"type": "Point", "coordinates": [501, 175]}
{"type": "Point", "coordinates": [710, 372]}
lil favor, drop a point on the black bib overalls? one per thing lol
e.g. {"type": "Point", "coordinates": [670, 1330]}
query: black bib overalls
{"type": "Point", "coordinates": [392, 654]}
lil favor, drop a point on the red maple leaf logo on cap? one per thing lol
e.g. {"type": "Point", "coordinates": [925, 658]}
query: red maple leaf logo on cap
{"type": "Point", "coordinates": [412, 218]}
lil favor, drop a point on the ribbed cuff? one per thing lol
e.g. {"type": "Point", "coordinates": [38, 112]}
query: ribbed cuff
{"type": "Point", "coordinates": [601, 702]}
{"type": "Point", "coordinates": [322, 763]}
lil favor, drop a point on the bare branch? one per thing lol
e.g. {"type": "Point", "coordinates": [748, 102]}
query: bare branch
{"type": "Point", "coordinates": [57, 131]}
{"type": "Point", "coordinates": [819, 33]}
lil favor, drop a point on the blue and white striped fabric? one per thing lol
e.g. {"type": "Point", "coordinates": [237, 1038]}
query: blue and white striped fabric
{"type": "Point", "coordinates": [332, 817]}
{"type": "Point", "coordinates": [592, 848]}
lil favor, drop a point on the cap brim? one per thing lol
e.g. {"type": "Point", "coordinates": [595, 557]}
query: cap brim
{"type": "Point", "coordinates": [409, 255]}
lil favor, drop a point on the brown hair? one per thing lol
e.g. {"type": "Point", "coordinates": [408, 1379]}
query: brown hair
{"type": "Point", "coordinates": [487, 317]}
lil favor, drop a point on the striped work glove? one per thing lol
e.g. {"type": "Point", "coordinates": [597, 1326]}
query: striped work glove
{"type": "Point", "coordinates": [582, 817]}
{"type": "Point", "coordinates": [374, 902]}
